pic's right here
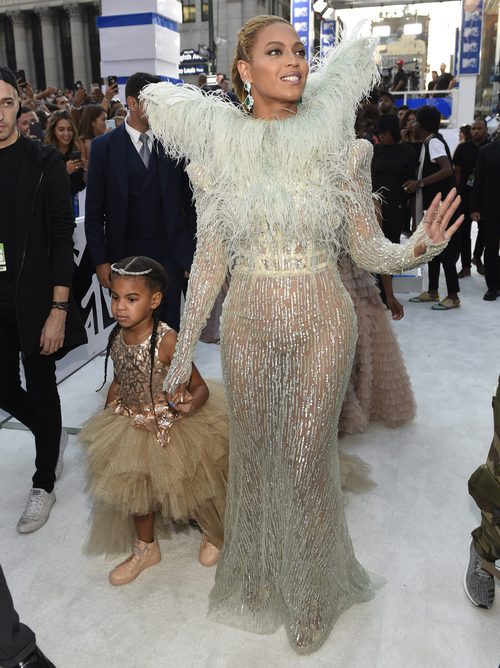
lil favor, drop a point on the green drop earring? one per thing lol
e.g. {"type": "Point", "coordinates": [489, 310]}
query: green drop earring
{"type": "Point", "coordinates": [248, 101]}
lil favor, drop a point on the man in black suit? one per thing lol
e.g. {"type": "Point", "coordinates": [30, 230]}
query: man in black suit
{"type": "Point", "coordinates": [139, 202]}
{"type": "Point", "coordinates": [485, 206]}
{"type": "Point", "coordinates": [464, 160]}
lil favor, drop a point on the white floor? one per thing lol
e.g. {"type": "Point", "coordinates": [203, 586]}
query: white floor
{"type": "Point", "coordinates": [412, 529]}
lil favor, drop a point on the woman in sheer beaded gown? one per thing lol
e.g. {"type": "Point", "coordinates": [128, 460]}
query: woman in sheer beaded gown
{"type": "Point", "coordinates": [279, 189]}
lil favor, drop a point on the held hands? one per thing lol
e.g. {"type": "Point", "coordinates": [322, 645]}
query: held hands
{"type": "Point", "coordinates": [437, 218]}
{"type": "Point", "coordinates": [181, 400]}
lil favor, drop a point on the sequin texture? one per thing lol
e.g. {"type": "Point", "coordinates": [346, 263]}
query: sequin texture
{"type": "Point", "coordinates": [277, 202]}
{"type": "Point", "coordinates": [134, 393]}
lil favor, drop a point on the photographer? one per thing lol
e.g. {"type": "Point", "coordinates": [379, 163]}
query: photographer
{"type": "Point", "coordinates": [26, 118]}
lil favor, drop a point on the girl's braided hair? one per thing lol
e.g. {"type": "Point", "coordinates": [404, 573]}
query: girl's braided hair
{"type": "Point", "coordinates": [152, 272]}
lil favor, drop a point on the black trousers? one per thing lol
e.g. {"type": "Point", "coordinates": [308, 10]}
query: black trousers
{"type": "Point", "coordinates": [491, 248]}
{"type": "Point", "coordinates": [448, 258]}
{"type": "Point", "coordinates": [17, 641]}
{"type": "Point", "coordinates": [393, 221]}
{"type": "Point", "coordinates": [465, 242]}
{"type": "Point", "coordinates": [38, 407]}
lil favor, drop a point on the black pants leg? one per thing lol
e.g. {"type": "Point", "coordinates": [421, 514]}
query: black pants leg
{"type": "Point", "coordinates": [38, 407]}
{"type": "Point", "coordinates": [465, 251]}
{"type": "Point", "coordinates": [17, 641]}
{"type": "Point", "coordinates": [393, 221]}
{"type": "Point", "coordinates": [171, 307]}
{"type": "Point", "coordinates": [41, 384]}
{"type": "Point", "coordinates": [448, 258]}
{"type": "Point", "coordinates": [479, 245]}
{"type": "Point", "coordinates": [491, 258]}
{"type": "Point", "coordinates": [434, 268]}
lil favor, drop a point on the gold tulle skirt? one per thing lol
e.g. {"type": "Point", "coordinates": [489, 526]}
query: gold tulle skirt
{"type": "Point", "coordinates": [130, 474]}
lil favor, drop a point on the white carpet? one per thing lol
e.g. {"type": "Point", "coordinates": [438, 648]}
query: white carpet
{"type": "Point", "coordinates": [412, 529]}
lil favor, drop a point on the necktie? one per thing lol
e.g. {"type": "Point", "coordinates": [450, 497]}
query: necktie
{"type": "Point", "coordinates": [144, 152]}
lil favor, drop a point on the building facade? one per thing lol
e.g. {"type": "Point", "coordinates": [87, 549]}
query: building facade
{"type": "Point", "coordinates": [55, 43]}
{"type": "Point", "coordinates": [228, 17]}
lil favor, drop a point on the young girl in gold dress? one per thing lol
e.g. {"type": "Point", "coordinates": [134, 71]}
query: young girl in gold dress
{"type": "Point", "coordinates": [146, 456]}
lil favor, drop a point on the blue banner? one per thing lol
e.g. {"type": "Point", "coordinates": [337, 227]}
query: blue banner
{"type": "Point", "coordinates": [328, 34]}
{"type": "Point", "coordinates": [470, 39]}
{"type": "Point", "coordinates": [302, 21]}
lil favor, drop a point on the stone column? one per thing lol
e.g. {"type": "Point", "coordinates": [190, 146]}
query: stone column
{"type": "Point", "coordinates": [78, 45]}
{"type": "Point", "coordinates": [3, 51]}
{"type": "Point", "coordinates": [21, 42]}
{"type": "Point", "coordinates": [51, 52]}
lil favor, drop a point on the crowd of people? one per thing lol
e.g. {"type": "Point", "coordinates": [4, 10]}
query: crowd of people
{"type": "Point", "coordinates": [273, 520]}
{"type": "Point", "coordinates": [411, 163]}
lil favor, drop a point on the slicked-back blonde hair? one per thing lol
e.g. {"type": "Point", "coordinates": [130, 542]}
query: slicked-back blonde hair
{"type": "Point", "coordinates": [246, 40]}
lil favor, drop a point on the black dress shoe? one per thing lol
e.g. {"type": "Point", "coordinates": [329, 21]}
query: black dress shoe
{"type": "Point", "coordinates": [464, 272]}
{"type": "Point", "coordinates": [36, 659]}
{"type": "Point", "coordinates": [491, 295]}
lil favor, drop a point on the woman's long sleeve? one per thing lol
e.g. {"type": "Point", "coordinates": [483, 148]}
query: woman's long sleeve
{"type": "Point", "coordinates": [208, 273]}
{"type": "Point", "coordinates": [365, 241]}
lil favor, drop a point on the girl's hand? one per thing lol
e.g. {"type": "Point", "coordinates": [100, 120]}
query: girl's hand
{"type": "Point", "coordinates": [185, 403]}
{"type": "Point", "coordinates": [437, 218]}
{"type": "Point", "coordinates": [174, 399]}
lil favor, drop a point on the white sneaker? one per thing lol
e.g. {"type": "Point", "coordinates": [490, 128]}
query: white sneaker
{"type": "Point", "coordinates": [62, 447]}
{"type": "Point", "coordinates": [37, 511]}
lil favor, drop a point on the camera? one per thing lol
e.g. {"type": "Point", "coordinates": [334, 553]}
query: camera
{"type": "Point", "coordinates": [112, 80]}
{"type": "Point", "coordinates": [75, 155]}
{"type": "Point", "coordinates": [77, 85]}
{"type": "Point", "coordinates": [36, 130]}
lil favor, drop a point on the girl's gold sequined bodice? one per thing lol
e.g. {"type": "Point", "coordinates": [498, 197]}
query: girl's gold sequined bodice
{"type": "Point", "coordinates": [132, 365]}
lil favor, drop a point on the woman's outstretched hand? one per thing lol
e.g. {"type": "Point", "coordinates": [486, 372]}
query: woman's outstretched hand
{"type": "Point", "coordinates": [437, 218]}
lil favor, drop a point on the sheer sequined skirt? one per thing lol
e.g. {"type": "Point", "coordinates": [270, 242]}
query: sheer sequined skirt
{"type": "Point", "coordinates": [287, 343]}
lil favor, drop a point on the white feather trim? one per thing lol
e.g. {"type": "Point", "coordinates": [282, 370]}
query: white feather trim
{"type": "Point", "coordinates": [287, 179]}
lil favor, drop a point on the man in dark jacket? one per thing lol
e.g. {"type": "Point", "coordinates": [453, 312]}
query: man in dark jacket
{"type": "Point", "coordinates": [485, 207]}
{"type": "Point", "coordinates": [139, 202]}
{"type": "Point", "coordinates": [464, 160]}
{"type": "Point", "coordinates": [37, 315]}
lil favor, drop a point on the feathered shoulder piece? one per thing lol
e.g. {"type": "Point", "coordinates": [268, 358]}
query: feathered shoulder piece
{"type": "Point", "coordinates": [339, 81]}
{"type": "Point", "coordinates": [204, 127]}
